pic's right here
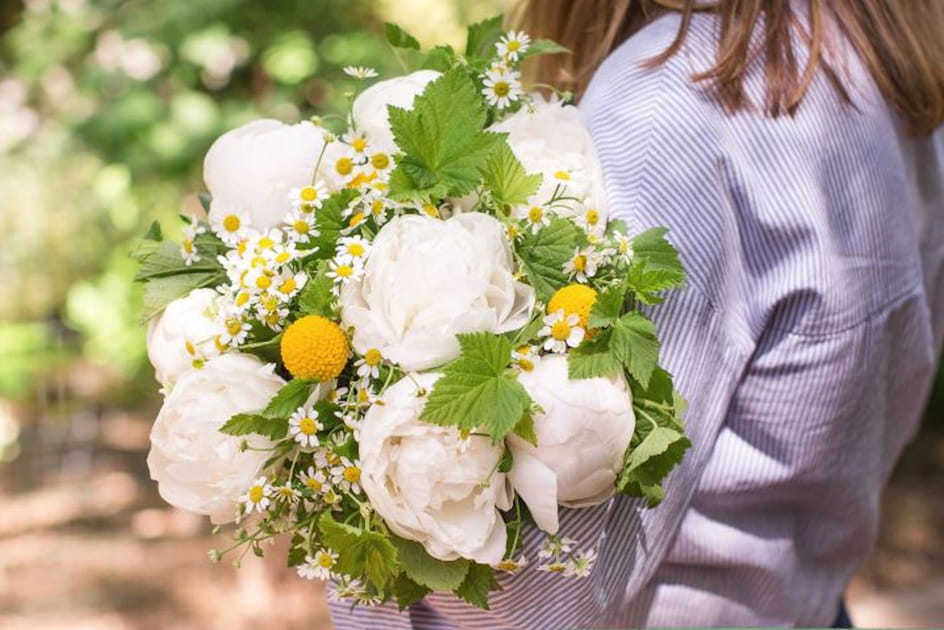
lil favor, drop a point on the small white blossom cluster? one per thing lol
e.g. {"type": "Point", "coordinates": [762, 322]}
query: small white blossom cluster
{"type": "Point", "coordinates": [502, 79]}
{"type": "Point", "coordinates": [558, 556]}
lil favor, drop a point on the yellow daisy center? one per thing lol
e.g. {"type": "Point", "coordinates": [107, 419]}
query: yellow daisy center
{"type": "Point", "coordinates": [501, 88]}
{"type": "Point", "coordinates": [359, 144]}
{"type": "Point", "coordinates": [356, 249]}
{"type": "Point", "coordinates": [288, 286]}
{"type": "Point", "coordinates": [380, 161]}
{"type": "Point", "coordinates": [283, 257]}
{"type": "Point", "coordinates": [301, 227]}
{"type": "Point", "coordinates": [234, 326]}
{"type": "Point", "coordinates": [189, 347]}
{"type": "Point", "coordinates": [344, 166]}
{"type": "Point", "coordinates": [526, 364]}
{"type": "Point", "coordinates": [231, 223]}
{"type": "Point", "coordinates": [560, 330]}
{"type": "Point", "coordinates": [308, 426]}
{"type": "Point", "coordinates": [256, 493]}
{"type": "Point", "coordinates": [308, 193]}
{"type": "Point", "coordinates": [313, 483]}
{"type": "Point", "coordinates": [430, 210]}
{"type": "Point", "coordinates": [266, 243]}
{"type": "Point", "coordinates": [564, 175]}
{"type": "Point", "coordinates": [263, 282]}
{"type": "Point", "coordinates": [352, 474]}
{"type": "Point", "coordinates": [373, 357]}
{"type": "Point", "coordinates": [535, 214]}
{"type": "Point", "coordinates": [357, 218]}
{"type": "Point", "coordinates": [514, 45]}
{"type": "Point", "coordinates": [242, 298]}
{"type": "Point", "coordinates": [188, 246]}
{"type": "Point", "coordinates": [325, 561]}
{"type": "Point", "coordinates": [376, 206]}
{"type": "Point", "coordinates": [344, 271]}
{"type": "Point", "coordinates": [593, 217]}
{"type": "Point", "coordinates": [580, 262]}
{"type": "Point", "coordinates": [508, 565]}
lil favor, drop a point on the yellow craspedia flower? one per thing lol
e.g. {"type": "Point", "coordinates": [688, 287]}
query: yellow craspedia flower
{"type": "Point", "coordinates": [575, 299]}
{"type": "Point", "coordinates": [314, 347]}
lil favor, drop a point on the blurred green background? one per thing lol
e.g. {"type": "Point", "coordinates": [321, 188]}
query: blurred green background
{"type": "Point", "coordinates": [106, 110]}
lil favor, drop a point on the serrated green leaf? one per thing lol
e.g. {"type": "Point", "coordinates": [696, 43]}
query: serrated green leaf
{"type": "Point", "coordinates": [635, 345]}
{"type": "Point", "coordinates": [544, 47]}
{"type": "Point", "coordinates": [398, 38]}
{"type": "Point", "coordinates": [317, 297]}
{"type": "Point", "coordinates": [254, 423]}
{"type": "Point", "coordinates": [440, 58]}
{"type": "Point", "coordinates": [164, 260]}
{"type": "Point", "coordinates": [293, 395]}
{"type": "Point", "coordinates": [655, 266]}
{"type": "Point", "coordinates": [525, 429]}
{"type": "Point", "coordinates": [205, 200]}
{"type": "Point", "coordinates": [477, 584]}
{"type": "Point", "coordinates": [506, 178]}
{"type": "Point", "coordinates": [650, 462]}
{"type": "Point", "coordinates": [476, 391]}
{"type": "Point", "coordinates": [442, 139]}
{"type": "Point", "coordinates": [614, 226]}
{"type": "Point", "coordinates": [361, 553]}
{"type": "Point", "coordinates": [329, 221]}
{"type": "Point", "coordinates": [407, 592]}
{"type": "Point", "coordinates": [427, 571]}
{"type": "Point", "coordinates": [593, 358]}
{"type": "Point", "coordinates": [483, 36]}
{"type": "Point", "coordinates": [607, 307]}
{"type": "Point", "coordinates": [296, 550]}
{"type": "Point", "coordinates": [544, 254]}
{"type": "Point", "coordinates": [159, 292]}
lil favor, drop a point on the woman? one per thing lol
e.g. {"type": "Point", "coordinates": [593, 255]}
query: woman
{"type": "Point", "coordinates": [788, 147]}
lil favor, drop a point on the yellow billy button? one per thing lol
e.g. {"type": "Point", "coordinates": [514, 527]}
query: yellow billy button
{"type": "Point", "coordinates": [574, 299]}
{"type": "Point", "coordinates": [314, 347]}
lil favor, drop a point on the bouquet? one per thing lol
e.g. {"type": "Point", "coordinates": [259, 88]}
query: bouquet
{"type": "Point", "coordinates": [403, 342]}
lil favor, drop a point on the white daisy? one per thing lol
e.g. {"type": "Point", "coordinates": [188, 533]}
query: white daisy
{"type": "Point", "coordinates": [257, 496]}
{"type": "Point", "coordinates": [554, 546]}
{"type": "Point", "coordinates": [352, 248]}
{"type": "Point", "coordinates": [624, 248]}
{"type": "Point", "coordinates": [537, 218]}
{"type": "Point", "coordinates": [287, 284]}
{"type": "Point", "coordinates": [347, 475]}
{"type": "Point", "coordinates": [510, 565]}
{"type": "Point", "coordinates": [360, 72]}
{"type": "Point", "coordinates": [325, 458]}
{"type": "Point", "coordinates": [308, 198]}
{"type": "Point", "coordinates": [562, 331]}
{"type": "Point", "coordinates": [235, 332]}
{"type": "Point", "coordinates": [502, 87]}
{"type": "Point", "coordinates": [303, 425]}
{"type": "Point", "coordinates": [319, 566]}
{"type": "Point", "coordinates": [342, 271]}
{"type": "Point", "coordinates": [368, 366]}
{"type": "Point", "coordinates": [284, 253]}
{"type": "Point", "coordinates": [300, 226]}
{"type": "Point", "coordinates": [188, 248]}
{"type": "Point", "coordinates": [287, 494]}
{"type": "Point", "coordinates": [526, 358]}
{"type": "Point", "coordinates": [590, 221]}
{"type": "Point", "coordinates": [231, 227]}
{"type": "Point", "coordinates": [583, 264]}
{"type": "Point", "coordinates": [512, 45]}
{"type": "Point", "coordinates": [581, 564]}
{"type": "Point", "coordinates": [315, 480]}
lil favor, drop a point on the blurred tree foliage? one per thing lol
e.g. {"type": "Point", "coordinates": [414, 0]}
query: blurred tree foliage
{"type": "Point", "coordinates": [106, 110]}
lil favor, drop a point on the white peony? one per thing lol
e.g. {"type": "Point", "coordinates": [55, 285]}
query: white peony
{"type": "Point", "coordinates": [428, 483]}
{"type": "Point", "coordinates": [251, 170]}
{"type": "Point", "coordinates": [550, 139]}
{"type": "Point", "coordinates": [583, 433]}
{"type": "Point", "coordinates": [427, 280]}
{"type": "Point", "coordinates": [196, 467]}
{"type": "Point", "coordinates": [184, 331]}
{"type": "Point", "coordinates": [370, 107]}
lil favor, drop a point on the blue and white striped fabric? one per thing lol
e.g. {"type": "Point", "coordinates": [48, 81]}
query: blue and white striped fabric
{"type": "Point", "coordinates": [805, 344]}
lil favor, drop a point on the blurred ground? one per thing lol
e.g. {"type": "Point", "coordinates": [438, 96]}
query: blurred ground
{"type": "Point", "coordinates": [92, 545]}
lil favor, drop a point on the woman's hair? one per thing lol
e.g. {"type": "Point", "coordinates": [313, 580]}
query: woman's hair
{"type": "Point", "coordinates": [900, 41]}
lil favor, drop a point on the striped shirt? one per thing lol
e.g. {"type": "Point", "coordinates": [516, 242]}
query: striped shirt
{"type": "Point", "coordinates": [805, 344]}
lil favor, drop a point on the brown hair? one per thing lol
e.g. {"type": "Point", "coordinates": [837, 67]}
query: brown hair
{"type": "Point", "coordinates": [900, 41]}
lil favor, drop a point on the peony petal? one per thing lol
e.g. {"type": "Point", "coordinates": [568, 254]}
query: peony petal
{"type": "Point", "coordinates": [537, 486]}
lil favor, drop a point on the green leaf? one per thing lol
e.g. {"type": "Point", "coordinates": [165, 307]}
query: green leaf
{"type": "Point", "coordinates": [525, 428]}
{"type": "Point", "coordinates": [268, 350]}
{"type": "Point", "coordinates": [635, 345]}
{"type": "Point", "coordinates": [607, 307]}
{"type": "Point", "coordinates": [482, 38]}
{"type": "Point", "coordinates": [593, 358]}
{"type": "Point", "coordinates": [650, 462]}
{"type": "Point", "coordinates": [249, 423]}
{"type": "Point", "coordinates": [159, 292]}
{"type": "Point", "coordinates": [205, 200]}
{"type": "Point", "coordinates": [616, 225]}
{"type": "Point", "coordinates": [544, 47]}
{"type": "Point", "coordinates": [543, 255]}
{"type": "Point", "coordinates": [398, 38]}
{"type": "Point", "coordinates": [477, 390]}
{"type": "Point", "coordinates": [293, 395]}
{"type": "Point", "coordinates": [329, 221]}
{"type": "Point", "coordinates": [361, 553]}
{"type": "Point", "coordinates": [477, 584]}
{"type": "Point", "coordinates": [529, 331]}
{"type": "Point", "coordinates": [297, 550]}
{"type": "Point", "coordinates": [154, 232]}
{"type": "Point", "coordinates": [442, 139]}
{"type": "Point", "coordinates": [316, 297]}
{"type": "Point", "coordinates": [504, 175]}
{"type": "Point", "coordinates": [407, 592]}
{"type": "Point", "coordinates": [163, 259]}
{"type": "Point", "coordinates": [655, 266]}
{"type": "Point", "coordinates": [426, 570]}
{"type": "Point", "coordinates": [440, 58]}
